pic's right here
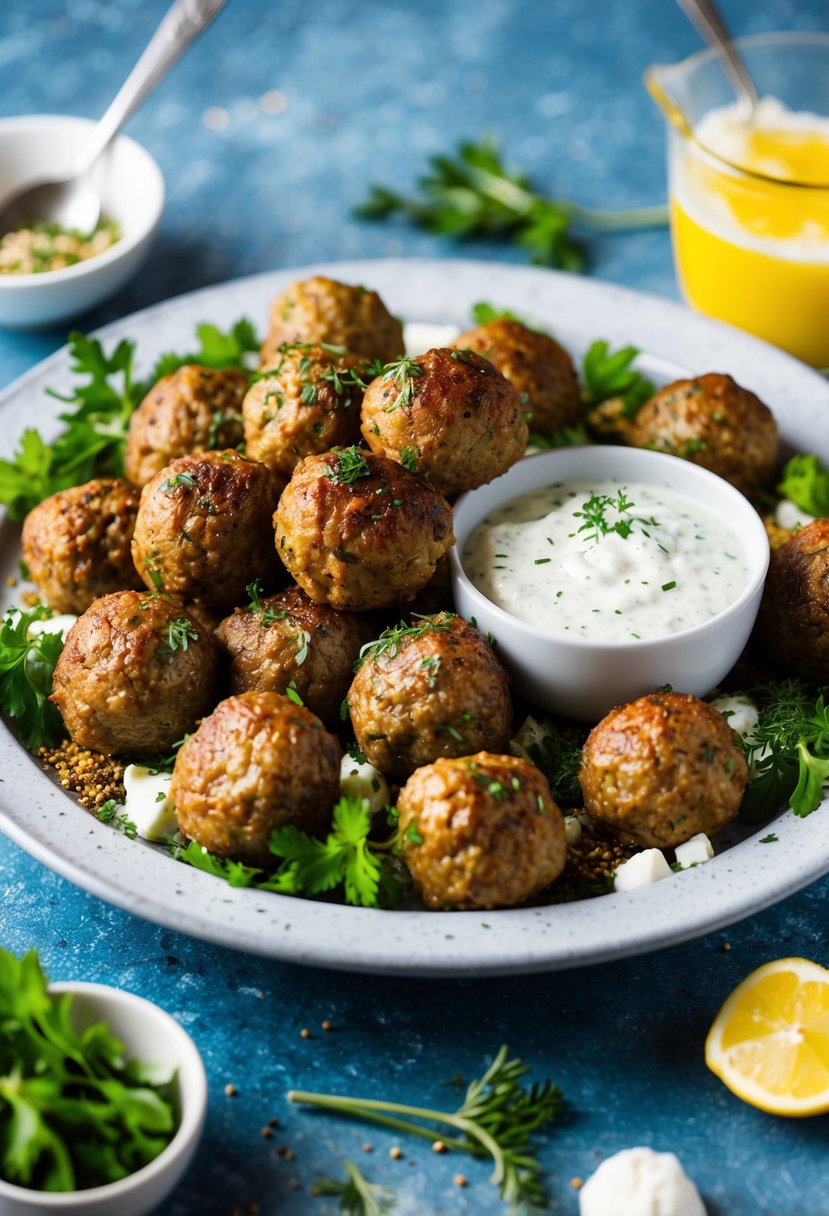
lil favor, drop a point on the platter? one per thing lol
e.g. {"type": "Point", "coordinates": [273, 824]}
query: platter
{"type": "Point", "coordinates": [143, 879]}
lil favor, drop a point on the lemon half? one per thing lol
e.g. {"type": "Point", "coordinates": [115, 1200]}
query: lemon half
{"type": "Point", "coordinates": [770, 1041]}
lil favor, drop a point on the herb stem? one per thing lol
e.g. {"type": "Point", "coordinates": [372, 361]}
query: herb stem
{"type": "Point", "coordinates": [618, 221]}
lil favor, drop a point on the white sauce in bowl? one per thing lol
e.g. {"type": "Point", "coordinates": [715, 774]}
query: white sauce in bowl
{"type": "Point", "coordinates": [607, 560]}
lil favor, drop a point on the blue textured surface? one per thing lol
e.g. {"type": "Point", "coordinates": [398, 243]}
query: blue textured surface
{"type": "Point", "coordinates": [366, 91]}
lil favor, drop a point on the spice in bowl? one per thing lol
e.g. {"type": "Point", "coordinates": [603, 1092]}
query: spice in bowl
{"type": "Point", "coordinates": [36, 247]}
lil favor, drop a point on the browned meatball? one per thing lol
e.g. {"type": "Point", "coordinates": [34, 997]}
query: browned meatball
{"type": "Point", "coordinates": [714, 423]}
{"type": "Point", "coordinates": [430, 689]}
{"type": "Point", "coordinates": [307, 403]}
{"type": "Point", "coordinates": [76, 544]}
{"type": "Point", "coordinates": [359, 532]}
{"type": "Point", "coordinates": [135, 675]}
{"type": "Point", "coordinates": [793, 623]}
{"type": "Point", "coordinates": [663, 768]}
{"type": "Point", "coordinates": [287, 638]}
{"type": "Point", "coordinates": [481, 832]}
{"type": "Point", "coordinates": [322, 310]}
{"type": "Point", "coordinates": [448, 415]}
{"type": "Point", "coordinates": [542, 371]}
{"type": "Point", "coordinates": [193, 410]}
{"type": "Point", "coordinates": [204, 529]}
{"type": "Point", "coordinates": [257, 763]}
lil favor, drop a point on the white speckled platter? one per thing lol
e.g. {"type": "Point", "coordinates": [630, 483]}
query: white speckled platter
{"type": "Point", "coordinates": [143, 879]}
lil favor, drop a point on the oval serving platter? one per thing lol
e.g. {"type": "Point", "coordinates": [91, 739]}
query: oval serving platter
{"type": "Point", "coordinates": [142, 878]}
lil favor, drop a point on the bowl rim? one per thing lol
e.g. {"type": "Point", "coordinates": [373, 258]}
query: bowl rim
{"type": "Point", "coordinates": [605, 452]}
{"type": "Point", "coordinates": [120, 248]}
{"type": "Point", "coordinates": [192, 1108]}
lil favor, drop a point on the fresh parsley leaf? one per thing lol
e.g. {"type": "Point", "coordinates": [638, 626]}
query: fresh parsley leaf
{"type": "Point", "coordinates": [180, 633]}
{"type": "Point", "coordinates": [216, 349]}
{"type": "Point", "coordinates": [234, 873]}
{"type": "Point", "coordinates": [113, 813]}
{"type": "Point", "coordinates": [483, 312]}
{"type": "Point", "coordinates": [787, 751]}
{"type": "Point", "coordinates": [498, 1118]}
{"type": "Point", "coordinates": [609, 374]}
{"type": "Point", "coordinates": [358, 1196]}
{"type": "Point", "coordinates": [72, 1114]}
{"type": "Point", "coordinates": [27, 665]}
{"type": "Point", "coordinates": [805, 480]}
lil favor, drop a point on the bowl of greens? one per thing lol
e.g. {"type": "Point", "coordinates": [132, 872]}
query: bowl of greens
{"type": "Point", "coordinates": [102, 1097]}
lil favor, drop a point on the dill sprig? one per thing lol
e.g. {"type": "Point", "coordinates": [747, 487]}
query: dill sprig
{"type": "Point", "coordinates": [497, 1118]}
{"type": "Point", "coordinates": [472, 194]}
{"type": "Point", "coordinates": [596, 524]}
{"type": "Point", "coordinates": [348, 466]}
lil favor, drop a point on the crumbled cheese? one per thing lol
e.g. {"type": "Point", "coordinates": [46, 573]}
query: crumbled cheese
{"type": "Point", "coordinates": [641, 870]}
{"type": "Point", "coordinates": [640, 1182]}
{"type": "Point", "coordinates": [146, 803]}
{"type": "Point", "coordinates": [789, 515]}
{"type": "Point", "coordinates": [694, 851]}
{"type": "Point", "coordinates": [359, 779]}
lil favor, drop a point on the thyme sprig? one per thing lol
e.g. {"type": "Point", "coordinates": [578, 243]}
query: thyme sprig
{"type": "Point", "coordinates": [498, 1118]}
{"type": "Point", "coordinates": [392, 640]}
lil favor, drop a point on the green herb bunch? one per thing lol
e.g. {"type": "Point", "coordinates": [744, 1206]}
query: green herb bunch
{"type": "Point", "coordinates": [73, 1113]}
{"type": "Point", "coordinates": [498, 1118]}
{"type": "Point", "coordinates": [27, 665]}
{"type": "Point", "coordinates": [788, 750]}
{"type": "Point", "coordinates": [473, 194]}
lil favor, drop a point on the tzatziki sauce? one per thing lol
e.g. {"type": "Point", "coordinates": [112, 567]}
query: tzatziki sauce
{"type": "Point", "coordinates": [607, 560]}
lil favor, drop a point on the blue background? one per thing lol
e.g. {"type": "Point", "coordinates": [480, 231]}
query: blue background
{"type": "Point", "coordinates": [366, 91]}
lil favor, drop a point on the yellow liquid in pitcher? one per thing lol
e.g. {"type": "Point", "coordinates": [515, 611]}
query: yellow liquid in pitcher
{"type": "Point", "coordinates": [755, 252]}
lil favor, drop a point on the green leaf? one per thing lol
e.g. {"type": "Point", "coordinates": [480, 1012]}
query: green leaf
{"type": "Point", "coordinates": [805, 480]}
{"type": "Point", "coordinates": [358, 1196]}
{"type": "Point", "coordinates": [27, 665]}
{"type": "Point", "coordinates": [609, 374]}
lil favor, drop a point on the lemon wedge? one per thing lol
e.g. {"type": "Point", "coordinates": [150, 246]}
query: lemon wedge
{"type": "Point", "coordinates": [770, 1041]}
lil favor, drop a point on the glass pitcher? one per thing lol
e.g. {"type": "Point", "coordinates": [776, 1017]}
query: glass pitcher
{"type": "Point", "coordinates": [751, 249]}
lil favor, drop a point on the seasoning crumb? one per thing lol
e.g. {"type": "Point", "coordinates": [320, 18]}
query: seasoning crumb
{"type": "Point", "coordinates": [460, 1180]}
{"type": "Point", "coordinates": [576, 1183]}
{"type": "Point", "coordinates": [726, 946]}
{"type": "Point", "coordinates": [395, 1153]}
{"type": "Point", "coordinates": [230, 1090]}
{"type": "Point", "coordinates": [326, 1025]}
{"type": "Point", "coordinates": [368, 1148]}
{"type": "Point", "coordinates": [305, 1033]}
{"type": "Point", "coordinates": [267, 1132]}
{"type": "Point", "coordinates": [93, 777]}
{"type": "Point", "coordinates": [439, 1147]}
{"type": "Point", "coordinates": [285, 1152]}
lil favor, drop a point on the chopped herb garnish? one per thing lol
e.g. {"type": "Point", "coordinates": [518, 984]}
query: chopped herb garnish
{"type": "Point", "coordinates": [349, 465]}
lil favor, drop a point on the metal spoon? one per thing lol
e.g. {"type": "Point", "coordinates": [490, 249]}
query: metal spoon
{"type": "Point", "coordinates": [73, 201]}
{"type": "Point", "coordinates": [708, 21]}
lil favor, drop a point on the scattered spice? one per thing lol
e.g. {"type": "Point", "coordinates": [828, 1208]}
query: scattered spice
{"type": "Point", "coordinates": [439, 1147]}
{"type": "Point", "coordinates": [326, 1025]}
{"type": "Point", "coordinates": [460, 1180]}
{"type": "Point", "coordinates": [395, 1153]}
{"type": "Point", "coordinates": [368, 1148]}
{"type": "Point", "coordinates": [93, 777]}
{"type": "Point", "coordinates": [305, 1033]}
{"type": "Point", "coordinates": [230, 1090]}
{"type": "Point", "coordinates": [577, 1183]}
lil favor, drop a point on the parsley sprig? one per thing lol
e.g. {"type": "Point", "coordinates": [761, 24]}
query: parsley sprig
{"type": "Point", "coordinates": [787, 751]}
{"type": "Point", "coordinates": [594, 512]}
{"type": "Point", "coordinates": [472, 194]}
{"type": "Point", "coordinates": [101, 403]}
{"type": "Point", "coordinates": [26, 668]}
{"type": "Point", "coordinates": [349, 465]}
{"type": "Point", "coordinates": [358, 1196]}
{"type": "Point", "coordinates": [805, 480]}
{"type": "Point", "coordinates": [73, 1115]}
{"type": "Point", "coordinates": [610, 374]}
{"type": "Point", "coordinates": [368, 871]}
{"type": "Point", "coordinates": [498, 1118]}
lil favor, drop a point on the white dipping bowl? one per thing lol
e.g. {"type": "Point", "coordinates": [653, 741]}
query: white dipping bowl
{"type": "Point", "coordinates": [151, 1035]}
{"type": "Point", "coordinates": [132, 194]}
{"type": "Point", "coordinates": [582, 678]}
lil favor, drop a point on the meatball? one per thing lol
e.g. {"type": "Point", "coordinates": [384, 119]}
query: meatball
{"type": "Point", "coordinates": [480, 832]}
{"type": "Point", "coordinates": [76, 544]}
{"type": "Point", "coordinates": [193, 410]}
{"type": "Point", "coordinates": [793, 622]}
{"type": "Point", "coordinates": [359, 532]}
{"type": "Point", "coordinates": [663, 768]}
{"type": "Point", "coordinates": [287, 638]}
{"type": "Point", "coordinates": [307, 403]}
{"type": "Point", "coordinates": [714, 423]}
{"type": "Point", "coordinates": [322, 310]}
{"type": "Point", "coordinates": [542, 371]}
{"type": "Point", "coordinates": [448, 415]}
{"type": "Point", "coordinates": [135, 675]}
{"type": "Point", "coordinates": [257, 763]}
{"type": "Point", "coordinates": [204, 529]}
{"type": "Point", "coordinates": [426, 690]}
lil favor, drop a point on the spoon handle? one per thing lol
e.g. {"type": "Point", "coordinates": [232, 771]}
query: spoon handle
{"type": "Point", "coordinates": [182, 23]}
{"type": "Point", "coordinates": [709, 22]}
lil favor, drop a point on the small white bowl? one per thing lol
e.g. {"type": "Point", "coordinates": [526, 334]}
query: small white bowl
{"type": "Point", "coordinates": [582, 678]}
{"type": "Point", "coordinates": [151, 1035]}
{"type": "Point", "coordinates": [132, 194]}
